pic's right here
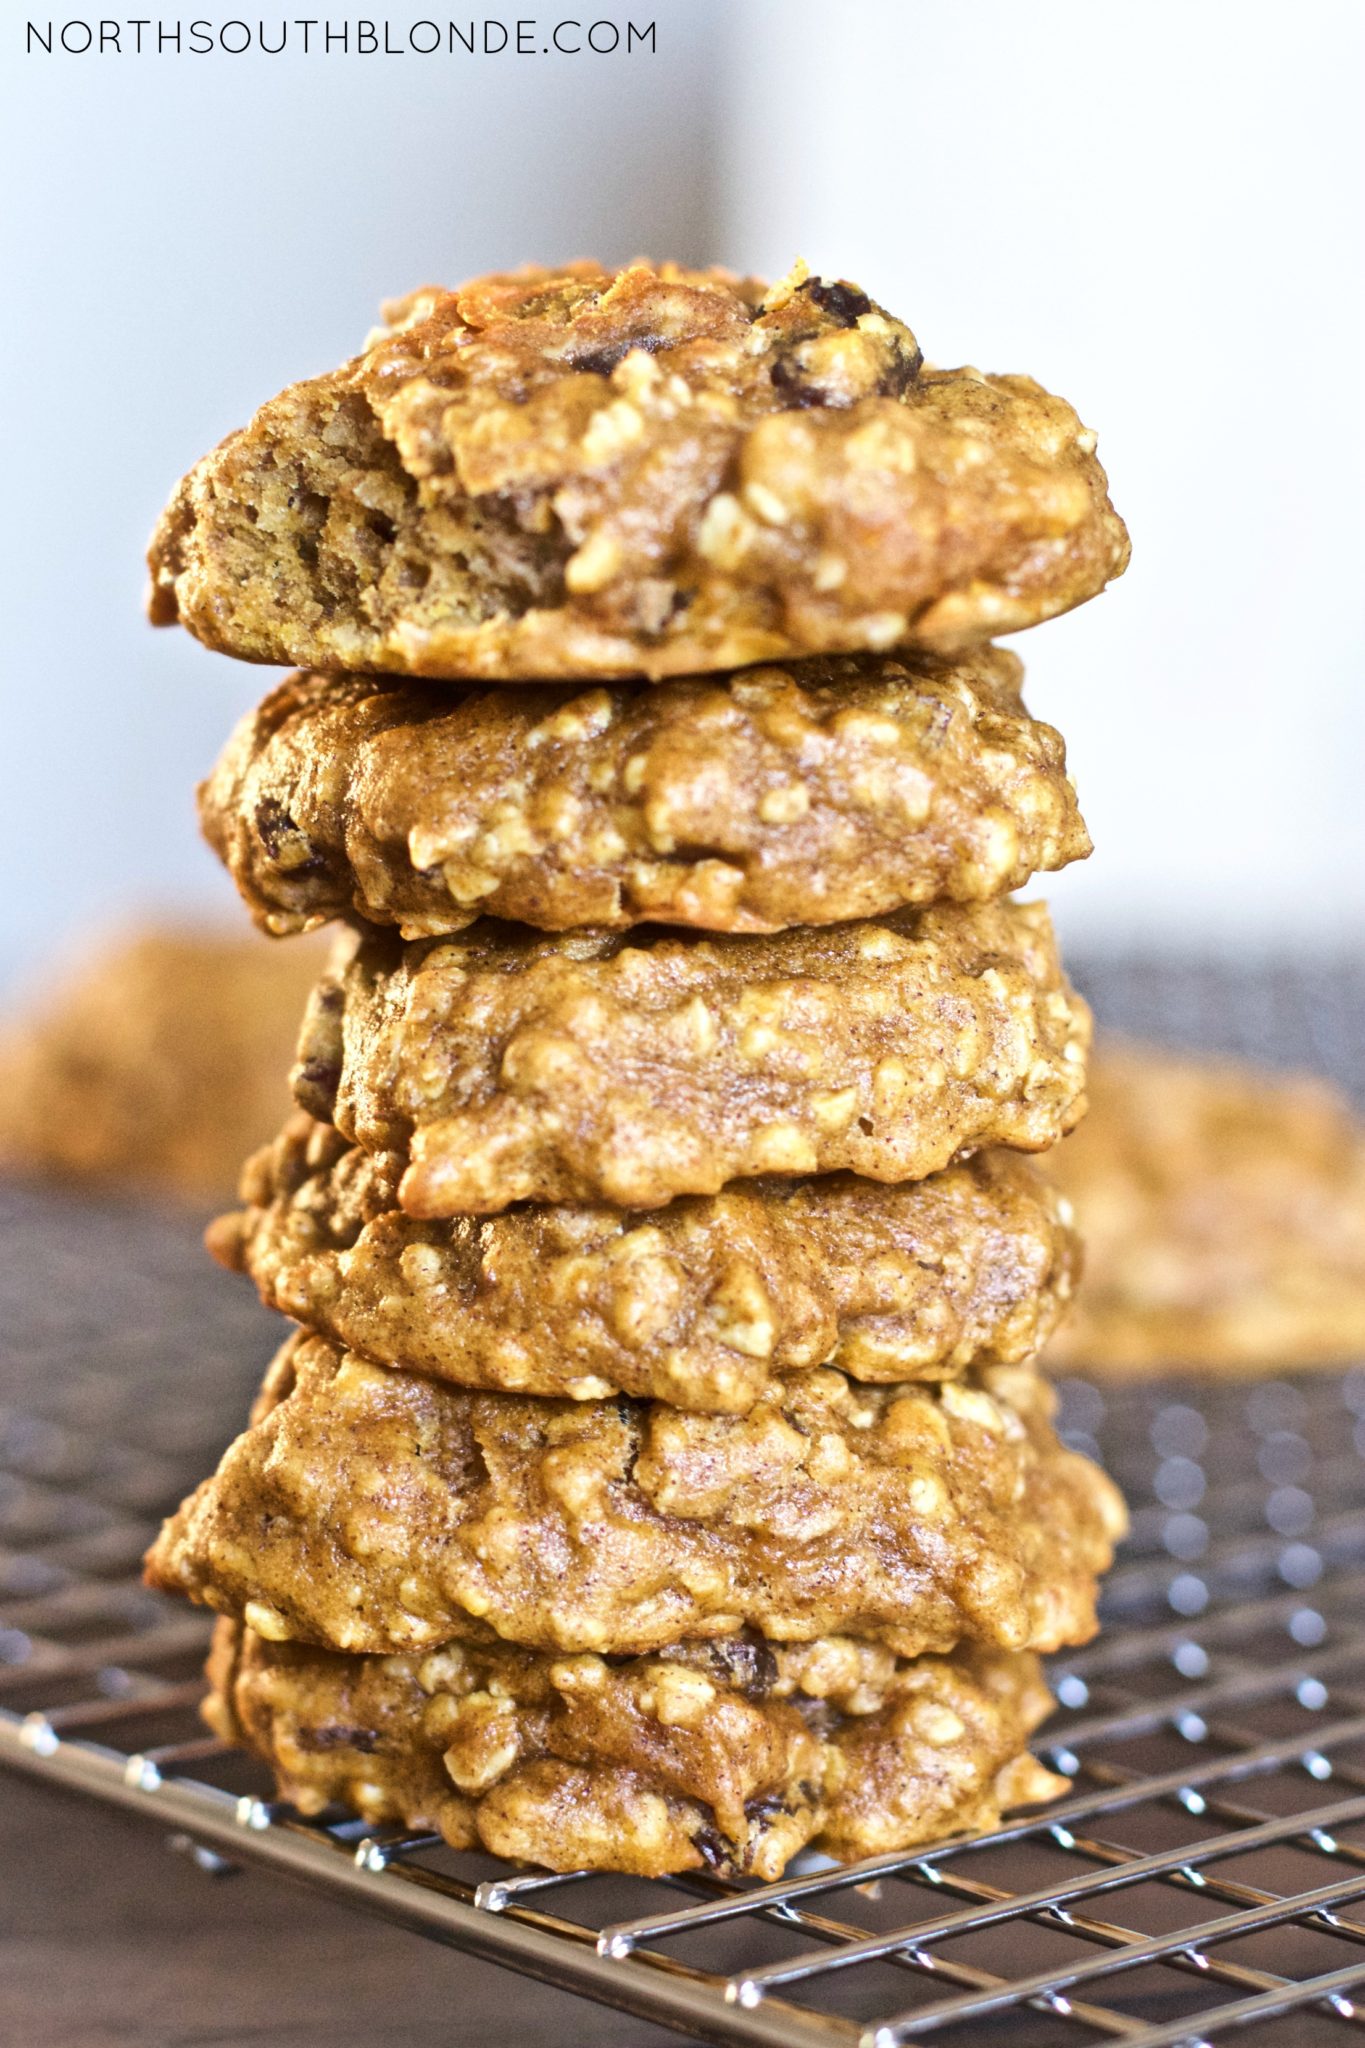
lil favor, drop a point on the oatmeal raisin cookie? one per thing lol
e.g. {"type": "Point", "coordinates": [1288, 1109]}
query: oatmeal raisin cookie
{"type": "Point", "coordinates": [699, 1304]}
{"type": "Point", "coordinates": [367, 1509]}
{"type": "Point", "coordinates": [153, 1061]}
{"type": "Point", "coordinates": [1223, 1208]}
{"type": "Point", "coordinates": [836, 788]}
{"type": "Point", "coordinates": [651, 471]}
{"type": "Point", "coordinates": [504, 1067]}
{"type": "Point", "coordinates": [727, 1755]}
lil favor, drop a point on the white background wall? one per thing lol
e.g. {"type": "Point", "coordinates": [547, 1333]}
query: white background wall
{"type": "Point", "coordinates": [182, 237]}
{"type": "Point", "coordinates": [1156, 208]}
{"type": "Point", "coordinates": [1159, 210]}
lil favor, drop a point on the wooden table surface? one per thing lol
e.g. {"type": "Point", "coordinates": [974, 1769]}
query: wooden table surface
{"type": "Point", "coordinates": [108, 1939]}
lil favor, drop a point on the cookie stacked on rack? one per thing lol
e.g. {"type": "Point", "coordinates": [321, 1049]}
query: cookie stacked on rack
{"type": "Point", "coordinates": [659, 1476]}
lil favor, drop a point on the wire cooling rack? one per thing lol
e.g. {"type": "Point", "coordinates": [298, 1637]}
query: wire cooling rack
{"type": "Point", "coordinates": [1204, 1878]}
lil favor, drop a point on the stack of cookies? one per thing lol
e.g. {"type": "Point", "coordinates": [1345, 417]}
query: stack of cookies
{"type": "Point", "coordinates": [659, 1477]}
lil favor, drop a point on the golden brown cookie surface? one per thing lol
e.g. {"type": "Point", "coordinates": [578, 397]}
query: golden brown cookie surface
{"type": "Point", "coordinates": [729, 1755]}
{"type": "Point", "coordinates": [588, 473]}
{"type": "Point", "coordinates": [699, 1304]}
{"type": "Point", "coordinates": [155, 1062]}
{"type": "Point", "coordinates": [1223, 1212]}
{"type": "Point", "coordinates": [593, 1067]}
{"type": "Point", "coordinates": [372, 1510]}
{"type": "Point", "coordinates": [837, 788]}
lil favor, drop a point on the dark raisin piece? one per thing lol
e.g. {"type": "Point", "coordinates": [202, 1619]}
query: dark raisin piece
{"type": "Point", "coordinates": [786, 376]}
{"type": "Point", "coordinates": [843, 302]}
{"type": "Point", "coordinates": [276, 830]}
{"type": "Point", "coordinates": [745, 1663]}
{"type": "Point", "coordinates": [597, 362]}
{"type": "Point", "coordinates": [321, 1078]}
{"type": "Point", "coordinates": [273, 824]}
{"type": "Point", "coordinates": [716, 1852]}
{"type": "Point", "coordinates": [768, 1806]}
{"type": "Point", "coordinates": [600, 362]}
{"type": "Point", "coordinates": [900, 373]}
{"type": "Point", "coordinates": [333, 1736]}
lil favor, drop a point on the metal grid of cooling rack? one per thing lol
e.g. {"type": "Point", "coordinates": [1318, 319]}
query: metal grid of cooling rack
{"type": "Point", "coordinates": [1203, 1879]}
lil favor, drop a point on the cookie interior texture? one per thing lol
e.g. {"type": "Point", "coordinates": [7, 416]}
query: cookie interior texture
{"type": "Point", "coordinates": [1223, 1210]}
{"type": "Point", "coordinates": [700, 1303]}
{"type": "Point", "coordinates": [651, 471]}
{"type": "Point", "coordinates": [833, 788]}
{"type": "Point", "coordinates": [507, 1067]}
{"type": "Point", "coordinates": [368, 1509]}
{"type": "Point", "coordinates": [729, 1755]}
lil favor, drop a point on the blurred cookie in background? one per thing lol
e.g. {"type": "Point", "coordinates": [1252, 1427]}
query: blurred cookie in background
{"type": "Point", "coordinates": [153, 1060]}
{"type": "Point", "coordinates": [1222, 1208]}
